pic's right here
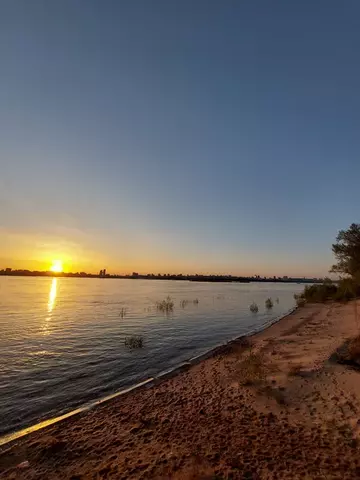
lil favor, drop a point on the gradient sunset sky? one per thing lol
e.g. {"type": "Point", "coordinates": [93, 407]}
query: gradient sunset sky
{"type": "Point", "coordinates": [178, 136]}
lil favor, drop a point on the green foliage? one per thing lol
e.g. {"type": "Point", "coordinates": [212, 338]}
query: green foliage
{"type": "Point", "coordinates": [347, 252]}
{"type": "Point", "coordinates": [341, 291]}
{"type": "Point", "coordinates": [135, 341]}
{"type": "Point", "coordinates": [318, 293]}
{"type": "Point", "coordinates": [269, 303]}
{"type": "Point", "coordinates": [254, 308]}
{"type": "Point", "coordinates": [347, 289]}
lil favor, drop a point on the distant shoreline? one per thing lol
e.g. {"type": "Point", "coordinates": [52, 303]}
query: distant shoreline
{"type": "Point", "coordinates": [189, 278]}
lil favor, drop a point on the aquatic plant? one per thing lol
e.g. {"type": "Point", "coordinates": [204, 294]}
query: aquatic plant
{"type": "Point", "coordinates": [254, 308]}
{"type": "Point", "coordinates": [123, 312]}
{"type": "Point", "coordinates": [269, 303]}
{"type": "Point", "coordinates": [166, 306]}
{"type": "Point", "coordinates": [134, 341]}
{"type": "Point", "coordinates": [183, 303]}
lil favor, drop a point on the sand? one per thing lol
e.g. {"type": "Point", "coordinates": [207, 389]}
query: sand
{"type": "Point", "coordinates": [280, 409]}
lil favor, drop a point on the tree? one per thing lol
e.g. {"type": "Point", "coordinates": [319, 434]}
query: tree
{"type": "Point", "coordinates": [347, 252]}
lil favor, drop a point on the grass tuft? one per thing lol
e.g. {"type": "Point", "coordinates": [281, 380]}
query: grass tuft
{"type": "Point", "coordinates": [300, 302]}
{"type": "Point", "coordinates": [184, 303]}
{"type": "Point", "coordinates": [354, 350]}
{"type": "Point", "coordinates": [134, 341]}
{"type": "Point", "coordinates": [252, 369]}
{"type": "Point", "coordinates": [166, 306]}
{"type": "Point", "coordinates": [269, 303]}
{"type": "Point", "coordinates": [295, 370]}
{"type": "Point", "coordinates": [254, 308]}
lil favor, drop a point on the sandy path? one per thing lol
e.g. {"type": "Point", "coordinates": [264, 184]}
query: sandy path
{"type": "Point", "coordinates": [296, 417]}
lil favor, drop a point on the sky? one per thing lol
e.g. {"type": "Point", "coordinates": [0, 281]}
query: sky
{"type": "Point", "coordinates": [178, 136]}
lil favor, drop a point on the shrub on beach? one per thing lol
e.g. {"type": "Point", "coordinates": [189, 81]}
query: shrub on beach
{"type": "Point", "coordinates": [344, 290]}
{"type": "Point", "coordinates": [319, 292]}
{"type": "Point", "coordinates": [252, 369]}
{"type": "Point", "coordinates": [349, 353]}
{"type": "Point", "coordinates": [300, 302]}
{"type": "Point", "coordinates": [254, 308]}
{"type": "Point", "coordinates": [134, 341]}
{"type": "Point", "coordinates": [269, 303]}
{"type": "Point", "coordinates": [354, 350]}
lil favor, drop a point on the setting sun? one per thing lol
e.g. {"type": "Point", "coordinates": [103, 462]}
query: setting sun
{"type": "Point", "coordinates": [57, 266]}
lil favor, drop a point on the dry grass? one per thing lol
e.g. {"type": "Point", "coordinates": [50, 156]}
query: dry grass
{"type": "Point", "coordinates": [252, 369]}
{"type": "Point", "coordinates": [354, 350]}
{"type": "Point", "coordinates": [295, 370]}
{"type": "Point", "coordinates": [300, 302]}
{"type": "Point", "coordinates": [196, 470]}
{"type": "Point", "coordinates": [274, 393]}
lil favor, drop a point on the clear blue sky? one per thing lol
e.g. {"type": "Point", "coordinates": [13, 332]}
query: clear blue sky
{"type": "Point", "coordinates": [209, 136]}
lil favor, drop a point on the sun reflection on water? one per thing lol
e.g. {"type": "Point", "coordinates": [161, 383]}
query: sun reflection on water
{"type": "Point", "coordinates": [52, 295]}
{"type": "Point", "coordinates": [50, 305]}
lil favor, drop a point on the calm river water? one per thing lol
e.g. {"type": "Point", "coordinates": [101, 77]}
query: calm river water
{"type": "Point", "coordinates": [62, 340]}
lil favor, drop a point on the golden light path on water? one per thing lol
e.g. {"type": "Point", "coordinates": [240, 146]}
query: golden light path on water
{"type": "Point", "coordinates": [50, 307]}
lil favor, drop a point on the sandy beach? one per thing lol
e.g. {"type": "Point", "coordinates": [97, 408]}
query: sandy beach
{"type": "Point", "coordinates": [274, 406]}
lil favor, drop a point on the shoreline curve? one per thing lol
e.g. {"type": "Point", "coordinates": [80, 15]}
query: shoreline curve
{"type": "Point", "coordinates": [147, 383]}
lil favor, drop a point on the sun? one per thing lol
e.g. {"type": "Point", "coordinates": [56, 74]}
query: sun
{"type": "Point", "coordinates": [57, 266]}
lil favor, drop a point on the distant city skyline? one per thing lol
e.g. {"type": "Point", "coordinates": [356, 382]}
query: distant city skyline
{"type": "Point", "coordinates": [201, 137]}
{"type": "Point", "coordinates": [163, 276]}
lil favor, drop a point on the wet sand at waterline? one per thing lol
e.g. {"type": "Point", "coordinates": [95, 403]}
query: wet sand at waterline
{"type": "Point", "coordinates": [280, 409]}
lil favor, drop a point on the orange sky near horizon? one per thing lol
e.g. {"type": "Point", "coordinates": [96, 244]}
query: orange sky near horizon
{"type": "Point", "coordinates": [38, 252]}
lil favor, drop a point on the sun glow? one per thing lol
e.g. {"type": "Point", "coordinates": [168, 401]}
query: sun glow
{"type": "Point", "coordinates": [57, 266]}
